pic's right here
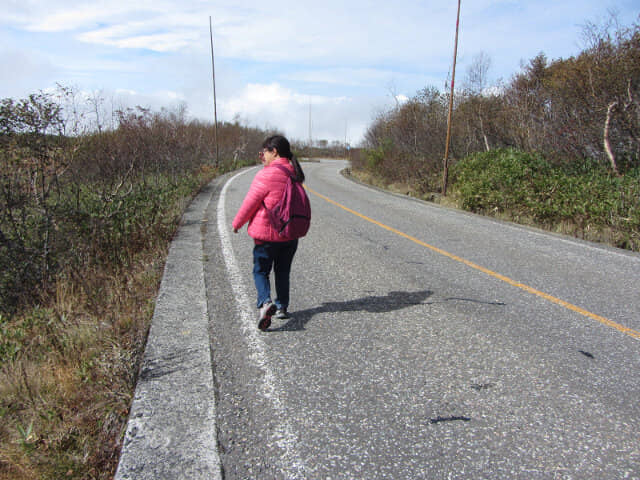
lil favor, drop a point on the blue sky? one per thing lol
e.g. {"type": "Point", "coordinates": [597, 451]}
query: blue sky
{"type": "Point", "coordinates": [277, 61]}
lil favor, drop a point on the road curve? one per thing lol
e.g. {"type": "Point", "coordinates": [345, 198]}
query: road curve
{"type": "Point", "coordinates": [405, 360]}
{"type": "Point", "coordinates": [424, 343]}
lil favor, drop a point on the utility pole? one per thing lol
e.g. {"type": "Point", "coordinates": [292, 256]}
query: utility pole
{"type": "Point", "coordinates": [445, 173]}
{"type": "Point", "coordinates": [215, 109]}
{"type": "Point", "coordinates": [310, 137]}
{"type": "Point", "coordinates": [345, 138]}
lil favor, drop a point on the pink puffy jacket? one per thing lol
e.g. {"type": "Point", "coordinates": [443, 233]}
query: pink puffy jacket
{"type": "Point", "coordinates": [267, 186]}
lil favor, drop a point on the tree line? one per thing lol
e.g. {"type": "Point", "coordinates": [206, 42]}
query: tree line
{"type": "Point", "coordinates": [558, 146]}
{"type": "Point", "coordinates": [572, 111]}
{"type": "Point", "coordinates": [76, 191]}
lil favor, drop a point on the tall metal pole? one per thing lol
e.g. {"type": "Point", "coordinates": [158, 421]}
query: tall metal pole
{"type": "Point", "coordinates": [215, 109]}
{"type": "Point", "coordinates": [345, 138]}
{"type": "Point", "coordinates": [445, 173]}
{"type": "Point", "coordinates": [310, 136]}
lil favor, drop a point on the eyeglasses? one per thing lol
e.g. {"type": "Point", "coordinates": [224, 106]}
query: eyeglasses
{"type": "Point", "coordinates": [262, 152]}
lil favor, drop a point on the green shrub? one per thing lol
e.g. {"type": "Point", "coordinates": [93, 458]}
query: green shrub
{"type": "Point", "coordinates": [377, 158]}
{"type": "Point", "coordinates": [499, 180]}
{"type": "Point", "coordinates": [526, 186]}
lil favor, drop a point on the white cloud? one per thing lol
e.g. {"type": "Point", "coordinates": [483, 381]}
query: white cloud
{"type": "Point", "coordinates": [274, 106]}
{"type": "Point", "coordinates": [122, 91]}
{"type": "Point", "coordinates": [130, 36]}
{"type": "Point", "coordinates": [339, 31]}
{"type": "Point", "coordinates": [23, 72]}
{"type": "Point", "coordinates": [352, 77]}
{"type": "Point", "coordinates": [66, 20]}
{"type": "Point", "coordinates": [273, 59]}
{"type": "Point", "coordinates": [52, 16]}
{"type": "Point", "coordinates": [255, 98]}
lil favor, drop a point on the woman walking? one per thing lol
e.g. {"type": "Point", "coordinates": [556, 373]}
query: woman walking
{"type": "Point", "coordinates": [271, 249]}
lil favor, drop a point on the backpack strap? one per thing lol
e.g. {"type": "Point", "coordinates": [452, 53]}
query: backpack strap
{"type": "Point", "coordinates": [286, 170]}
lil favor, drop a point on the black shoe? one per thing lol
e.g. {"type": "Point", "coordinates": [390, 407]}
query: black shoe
{"type": "Point", "coordinates": [266, 312]}
{"type": "Point", "coordinates": [282, 314]}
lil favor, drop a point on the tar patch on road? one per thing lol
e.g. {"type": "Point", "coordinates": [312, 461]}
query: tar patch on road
{"type": "Point", "coordinates": [449, 419]}
{"type": "Point", "coordinates": [586, 354]}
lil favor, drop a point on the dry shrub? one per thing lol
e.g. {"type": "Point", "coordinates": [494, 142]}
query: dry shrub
{"type": "Point", "coordinates": [65, 394]}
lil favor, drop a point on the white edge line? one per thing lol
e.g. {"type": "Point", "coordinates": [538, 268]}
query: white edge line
{"type": "Point", "coordinates": [284, 435]}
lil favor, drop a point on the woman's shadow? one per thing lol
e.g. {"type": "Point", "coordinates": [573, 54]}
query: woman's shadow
{"type": "Point", "coordinates": [373, 304]}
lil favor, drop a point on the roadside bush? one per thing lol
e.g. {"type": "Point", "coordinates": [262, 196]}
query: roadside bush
{"type": "Point", "coordinates": [85, 224]}
{"type": "Point", "coordinates": [499, 180]}
{"type": "Point", "coordinates": [95, 197]}
{"type": "Point", "coordinates": [571, 115]}
{"type": "Point", "coordinates": [588, 200]}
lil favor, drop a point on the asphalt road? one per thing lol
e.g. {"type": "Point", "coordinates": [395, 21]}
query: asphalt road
{"type": "Point", "coordinates": [431, 344]}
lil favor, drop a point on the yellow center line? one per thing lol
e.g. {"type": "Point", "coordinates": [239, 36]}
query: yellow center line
{"type": "Point", "coordinates": [526, 288]}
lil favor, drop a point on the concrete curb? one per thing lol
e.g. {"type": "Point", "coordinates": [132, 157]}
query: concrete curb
{"type": "Point", "coordinates": [171, 431]}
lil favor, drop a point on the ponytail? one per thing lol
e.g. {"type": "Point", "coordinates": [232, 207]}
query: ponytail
{"type": "Point", "coordinates": [298, 169]}
{"type": "Point", "coordinates": [281, 144]}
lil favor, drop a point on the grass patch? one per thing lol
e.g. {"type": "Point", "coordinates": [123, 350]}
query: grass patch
{"type": "Point", "coordinates": [69, 364]}
{"type": "Point", "coordinates": [587, 202]}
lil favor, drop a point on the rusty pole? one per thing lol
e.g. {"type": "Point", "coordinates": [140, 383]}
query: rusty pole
{"type": "Point", "coordinates": [215, 109]}
{"type": "Point", "coordinates": [445, 173]}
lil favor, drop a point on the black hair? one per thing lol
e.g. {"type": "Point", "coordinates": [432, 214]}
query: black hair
{"type": "Point", "coordinates": [283, 147]}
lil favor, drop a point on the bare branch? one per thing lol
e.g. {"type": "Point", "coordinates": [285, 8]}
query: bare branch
{"type": "Point", "coordinates": [607, 142]}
